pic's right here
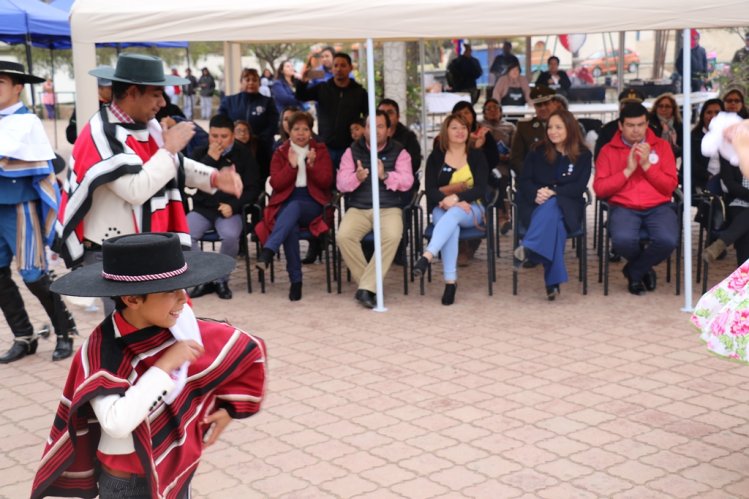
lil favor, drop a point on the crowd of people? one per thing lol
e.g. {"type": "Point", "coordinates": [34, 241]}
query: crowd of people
{"type": "Point", "coordinates": [124, 220]}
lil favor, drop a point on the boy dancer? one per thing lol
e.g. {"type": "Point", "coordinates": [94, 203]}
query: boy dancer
{"type": "Point", "coordinates": [151, 381]}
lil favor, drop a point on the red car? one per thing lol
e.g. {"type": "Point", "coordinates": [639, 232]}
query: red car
{"type": "Point", "coordinates": [604, 63]}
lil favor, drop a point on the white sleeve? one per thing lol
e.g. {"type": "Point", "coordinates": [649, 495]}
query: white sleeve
{"type": "Point", "coordinates": [137, 188]}
{"type": "Point", "coordinates": [198, 175]}
{"type": "Point", "coordinates": [119, 415]}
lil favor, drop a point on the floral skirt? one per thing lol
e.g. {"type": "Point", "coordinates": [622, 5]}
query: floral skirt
{"type": "Point", "coordinates": [722, 316]}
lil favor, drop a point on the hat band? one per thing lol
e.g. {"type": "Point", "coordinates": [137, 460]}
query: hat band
{"type": "Point", "coordinates": [144, 278]}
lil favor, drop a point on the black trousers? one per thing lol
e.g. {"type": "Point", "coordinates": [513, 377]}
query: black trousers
{"type": "Point", "coordinates": [737, 232]}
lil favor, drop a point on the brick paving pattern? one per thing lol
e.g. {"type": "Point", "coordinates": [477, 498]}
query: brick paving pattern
{"type": "Point", "coordinates": [503, 396]}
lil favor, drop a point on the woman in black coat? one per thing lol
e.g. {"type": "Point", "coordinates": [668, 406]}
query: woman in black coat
{"type": "Point", "coordinates": [550, 197]}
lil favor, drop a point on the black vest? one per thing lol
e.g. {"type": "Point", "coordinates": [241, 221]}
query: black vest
{"type": "Point", "coordinates": [362, 197]}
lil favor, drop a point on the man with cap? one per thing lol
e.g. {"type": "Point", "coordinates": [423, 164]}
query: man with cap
{"type": "Point", "coordinates": [742, 55]}
{"type": "Point", "coordinates": [152, 386]}
{"type": "Point", "coordinates": [105, 97]}
{"type": "Point", "coordinates": [127, 171]}
{"type": "Point", "coordinates": [607, 132]}
{"type": "Point", "coordinates": [531, 131]}
{"type": "Point", "coordinates": [29, 199]}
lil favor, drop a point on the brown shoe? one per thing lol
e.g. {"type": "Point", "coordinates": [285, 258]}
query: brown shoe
{"type": "Point", "coordinates": [713, 252]}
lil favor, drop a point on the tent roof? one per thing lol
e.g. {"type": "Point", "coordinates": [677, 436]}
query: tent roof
{"type": "Point", "coordinates": [282, 20]}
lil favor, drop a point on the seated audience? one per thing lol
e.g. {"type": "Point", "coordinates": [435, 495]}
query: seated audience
{"type": "Point", "coordinates": [550, 197]}
{"type": "Point", "coordinates": [283, 126]}
{"type": "Point", "coordinates": [301, 176]}
{"type": "Point", "coordinates": [607, 132]}
{"type": "Point", "coordinates": [502, 132]}
{"type": "Point", "coordinates": [456, 183]}
{"type": "Point", "coordinates": [735, 102]}
{"type": "Point", "coordinates": [357, 129]}
{"type": "Point", "coordinates": [393, 171]}
{"type": "Point", "coordinates": [221, 211]}
{"type": "Point", "coordinates": [665, 120]}
{"type": "Point", "coordinates": [636, 174]}
{"type": "Point", "coordinates": [705, 170]}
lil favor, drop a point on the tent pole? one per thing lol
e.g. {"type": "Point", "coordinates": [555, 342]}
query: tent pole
{"type": "Point", "coordinates": [31, 71]}
{"type": "Point", "coordinates": [528, 57]}
{"type": "Point", "coordinates": [373, 177]}
{"type": "Point", "coordinates": [687, 168]}
{"type": "Point", "coordinates": [422, 61]}
{"type": "Point", "coordinates": [620, 64]}
{"type": "Point", "coordinates": [55, 106]}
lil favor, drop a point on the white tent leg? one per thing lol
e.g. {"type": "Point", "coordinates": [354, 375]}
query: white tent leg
{"type": "Point", "coordinates": [686, 166]}
{"type": "Point", "coordinates": [86, 91]}
{"type": "Point", "coordinates": [422, 60]}
{"type": "Point", "coordinates": [373, 175]}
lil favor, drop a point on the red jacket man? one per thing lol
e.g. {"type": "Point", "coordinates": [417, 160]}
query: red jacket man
{"type": "Point", "coordinates": [636, 174]}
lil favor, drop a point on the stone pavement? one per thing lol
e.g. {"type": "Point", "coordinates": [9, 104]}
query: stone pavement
{"type": "Point", "coordinates": [494, 397]}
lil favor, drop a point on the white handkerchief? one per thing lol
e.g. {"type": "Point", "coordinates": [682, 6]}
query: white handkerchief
{"type": "Point", "coordinates": [186, 328]}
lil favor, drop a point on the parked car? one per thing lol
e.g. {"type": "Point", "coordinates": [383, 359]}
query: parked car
{"type": "Point", "coordinates": [600, 63]}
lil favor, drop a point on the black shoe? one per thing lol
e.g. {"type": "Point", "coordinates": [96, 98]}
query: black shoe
{"type": "Point", "coordinates": [63, 349]}
{"type": "Point", "coordinates": [636, 287]}
{"type": "Point", "coordinates": [265, 258]}
{"type": "Point", "coordinates": [312, 253]}
{"type": "Point", "coordinates": [649, 280]}
{"type": "Point", "coordinates": [295, 291]}
{"type": "Point", "coordinates": [614, 257]}
{"type": "Point", "coordinates": [505, 227]}
{"type": "Point", "coordinates": [552, 292]}
{"type": "Point", "coordinates": [448, 296]}
{"type": "Point", "coordinates": [529, 264]}
{"type": "Point", "coordinates": [222, 290]}
{"type": "Point", "coordinates": [365, 298]}
{"type": "Point", "coordinates": [421, 266]}
{"type": "Point", "coordinates": [21, 348]}
{"type": "Point", "coordinates": [202, 289]}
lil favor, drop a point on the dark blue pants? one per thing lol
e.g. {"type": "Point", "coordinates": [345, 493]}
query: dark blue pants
{"type": "Point", "coordinates": [546, 238]}
{"type": "Point", "coordinates": [298, 211]}
{"type": "Point", "coordinates": [659, 225]}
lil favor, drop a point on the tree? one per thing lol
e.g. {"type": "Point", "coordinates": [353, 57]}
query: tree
{"type": "Point", "coordinates": [273, 53]}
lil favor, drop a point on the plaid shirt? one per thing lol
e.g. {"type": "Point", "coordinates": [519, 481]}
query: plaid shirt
{"type": "Point", "coordinates": [121, 115]}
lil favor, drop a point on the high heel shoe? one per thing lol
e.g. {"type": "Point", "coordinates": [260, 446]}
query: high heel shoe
{"type": "Point", "coordinates": [448, 296]}
{"type": "Point", "coordinates": [265, 258]}
{"type": "Point", "coordinates": [295, 291]}
{"type": "Point", "coordinates": [421, 266]}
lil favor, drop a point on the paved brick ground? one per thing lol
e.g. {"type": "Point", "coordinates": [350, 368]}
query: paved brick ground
{"type": "Point", "coordinates": [503, 396]}
{"type": "Point", "coordinates": [494, 397]}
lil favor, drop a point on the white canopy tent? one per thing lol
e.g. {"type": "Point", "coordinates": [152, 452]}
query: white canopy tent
{"type": "Point", "coordinates": [95, 21]}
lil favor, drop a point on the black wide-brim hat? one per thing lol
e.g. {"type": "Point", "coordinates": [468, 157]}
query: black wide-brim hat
{"type": "Point", "coordinates": [139, 69]}
{"type": "Point", "coordinates": [140, 264]}
{"type": "Point", "coordinates": [18, 71]}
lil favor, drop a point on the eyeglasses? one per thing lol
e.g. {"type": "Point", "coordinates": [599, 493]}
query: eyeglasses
{"type": "Point", "coordinates": [732, 101]}
{"type": "Point", "coordinates": [665, 106]}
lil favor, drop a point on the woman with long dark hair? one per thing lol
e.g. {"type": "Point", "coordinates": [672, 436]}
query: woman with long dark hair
{"type": "Point", "coordinates": [283, 87]}
{"type": "Point", "coordinates": [550, 197]}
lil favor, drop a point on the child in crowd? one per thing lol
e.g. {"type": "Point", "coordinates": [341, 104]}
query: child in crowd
{"type": "Point", "coordinates": [357, 130]}
{"type": "Point", "coordinates": [152, 386]}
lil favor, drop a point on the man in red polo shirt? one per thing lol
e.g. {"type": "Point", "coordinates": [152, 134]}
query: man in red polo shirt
{"type": "Point", "coordinates": [636, 174]}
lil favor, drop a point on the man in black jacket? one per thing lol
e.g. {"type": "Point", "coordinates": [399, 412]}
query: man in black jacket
{"type": "Point", "coordinates": [340, 102]}
{"type": "Point", "coordinates": [462, 73]}
{"type": "Point", "coordinates": [219, 210]}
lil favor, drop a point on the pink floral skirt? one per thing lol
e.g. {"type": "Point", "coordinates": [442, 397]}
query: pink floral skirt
{"type": "Point", "coordinates": [722, 316]}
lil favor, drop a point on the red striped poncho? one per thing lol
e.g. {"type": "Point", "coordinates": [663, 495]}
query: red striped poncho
{"type": "Point", "coordinates": [104, 152]}
{"type": "Point", "coordinates": [229, 375]}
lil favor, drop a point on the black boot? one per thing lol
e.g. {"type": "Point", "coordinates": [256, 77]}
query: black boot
{"type": "Point", "coordinates": [22, 346]}
{"type": "Point", "coordinates": [313, 252]}
{"type": "Point", "coordinates": [13, 308]}
{"type": "Point", "coordinates": [63, 348]}
{"type": "Point", "coordinates": [62, 319]}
